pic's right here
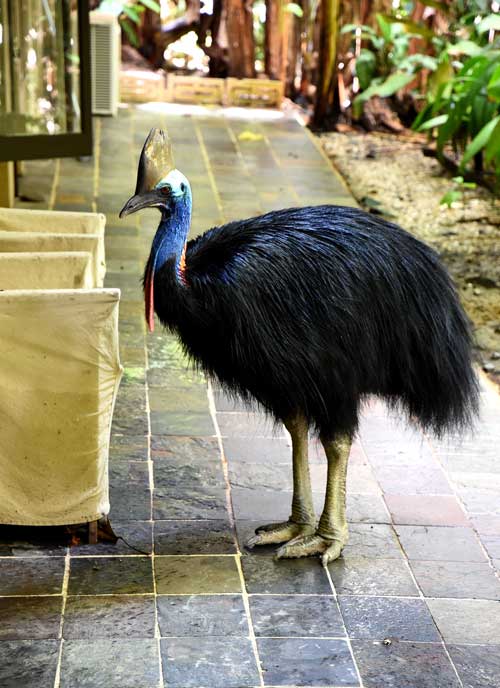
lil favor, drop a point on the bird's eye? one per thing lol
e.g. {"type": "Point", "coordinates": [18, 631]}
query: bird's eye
{"type": "Point", "coordinates": [165, 190]}
{"type": "Point", "coordinates": [183, 187]}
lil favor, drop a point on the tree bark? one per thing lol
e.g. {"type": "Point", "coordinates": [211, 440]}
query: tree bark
{"type": "Point", "coordinates": [293, 51]}
{"type": "Point", "coordinates": [272, 38]}
{"type": "Point", "coordinates": [151, 48]}
{"type": "Point", "coordinates": [326, 83]}
{"type": "Point", "coordinates": [241, 48]}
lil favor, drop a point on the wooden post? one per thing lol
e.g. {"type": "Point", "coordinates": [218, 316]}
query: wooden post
{"type": "Point", "coordinates": [7, 184]}
{"type": "Point", "coordinates": [93, 532]}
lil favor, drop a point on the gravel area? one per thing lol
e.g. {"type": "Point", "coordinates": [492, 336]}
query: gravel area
{"type": "Point", "coordinates": [389, 174]}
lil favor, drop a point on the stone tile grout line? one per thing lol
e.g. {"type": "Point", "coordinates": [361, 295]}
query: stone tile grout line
{"type": "Point", "coordinates": [244, 593]}
{"type": "Point", "coordinates": [424, 599]}
{"type": "Point", "coordinates": [213, 413]}
{"type": "Point", "coordinates": [157, 633]}
{"type": "Point", "coordinates": [347, 638]}
{"type": "Point", "coordinates": [67, 561]}
{"type": "Point", "coordinates": [461, 503]}
{"type": "Point", "coordinates": [64, 591]}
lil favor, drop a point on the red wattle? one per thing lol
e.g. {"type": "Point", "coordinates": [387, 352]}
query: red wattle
{"type": "Point", "coordinates": [149, 295]}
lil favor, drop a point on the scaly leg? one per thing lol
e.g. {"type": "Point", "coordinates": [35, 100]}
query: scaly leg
{"type": "Point", "coordinates": [302, 521]}
{"type": "Point", "coordinates": [332, 532]}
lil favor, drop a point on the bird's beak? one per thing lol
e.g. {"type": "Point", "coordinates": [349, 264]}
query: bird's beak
{"type": "Point", "coordinates": [148, 199]}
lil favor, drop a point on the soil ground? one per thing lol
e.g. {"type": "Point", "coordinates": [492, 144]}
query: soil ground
{"type": "Point", "coordinates": [389, 174]}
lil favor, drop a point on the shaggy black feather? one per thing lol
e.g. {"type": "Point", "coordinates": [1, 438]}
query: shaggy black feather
{"type": "Point", "coordinates": [312, 309]}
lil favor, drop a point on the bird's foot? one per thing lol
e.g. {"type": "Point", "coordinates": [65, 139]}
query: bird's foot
{"type": "Point", "coordinates": [276, 533]}
{"type": "Point", "coordinates": [312, 544]}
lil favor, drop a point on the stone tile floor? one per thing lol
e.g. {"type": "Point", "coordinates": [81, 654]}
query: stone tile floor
{"type": "Point", "coordinates": [414, 600]}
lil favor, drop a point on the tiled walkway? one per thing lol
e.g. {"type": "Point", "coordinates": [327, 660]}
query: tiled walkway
{"type": "Point", "coordinates": [412, 603]}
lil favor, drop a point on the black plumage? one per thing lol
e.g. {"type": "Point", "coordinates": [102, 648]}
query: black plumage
{"type": "Point", "coordinates": [308, 311]}
{"type": "Point", "coordinates": [311, 310]}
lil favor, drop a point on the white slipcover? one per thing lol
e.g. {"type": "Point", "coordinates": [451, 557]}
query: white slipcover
{"type": "Point", "coordinates": [59, 374]}
{"type": "Point", "coordinates": [45, 241]}
{"type": "Point", "coordinates": [56, 222]}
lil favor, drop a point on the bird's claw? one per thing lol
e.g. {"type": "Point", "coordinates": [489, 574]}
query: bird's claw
{"type": "Point", "coordinates": [276, 533]}
{"type": "Point", "coordinates": [310, 545]}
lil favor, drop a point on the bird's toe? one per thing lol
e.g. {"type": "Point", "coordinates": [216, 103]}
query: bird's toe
{"type": "Point", "coordinates": [276, 533]}
{"type": "Point", "coordinates": [332, 552]}
{"type": "Point", "coordinates": [302, 546]}
{"type": "Point", "coordinates": [311, 545]}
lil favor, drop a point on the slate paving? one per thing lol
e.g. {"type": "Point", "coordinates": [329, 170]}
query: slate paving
{"type": "Point", "coordinates": [414, 602]}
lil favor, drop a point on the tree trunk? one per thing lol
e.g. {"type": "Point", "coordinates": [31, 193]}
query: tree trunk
{"type": "Point", "coordinates": [151, 46]}
{"type": "Point", "coordinates": [241, 49]}
{"type": "Point", "coordinates": [326, 84]}
{"type": "Point", "coordinates": [272, 38]}
{"type": "Point", "coordinates": [217, 62]}
{"type": "Point", "coordinates": [293, 51]}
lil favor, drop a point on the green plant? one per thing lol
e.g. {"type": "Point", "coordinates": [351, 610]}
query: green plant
{"type": "Point", "coordinates": [464, 112]}
{"type": "Point", "coordinates": [385, 67]}
{"type": "Point", "coordinates": [129, 14]}
{"type": "Point", "coordinates": [456, 193]}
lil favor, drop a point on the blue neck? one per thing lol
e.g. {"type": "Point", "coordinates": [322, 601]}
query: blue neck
{"type": "Point", "coordinates": [171, 235]}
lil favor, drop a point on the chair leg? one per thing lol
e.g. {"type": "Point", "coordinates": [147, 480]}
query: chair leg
{"type": "Point", "coordinates": [93, 532]}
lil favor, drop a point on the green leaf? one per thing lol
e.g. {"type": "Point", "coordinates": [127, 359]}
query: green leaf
{"type": "Point", "coordinates": [492, 149]}
{"type": "Point", "coordinates": [132, 14]}
{"type": "Point", "coordinates": [450, 197]}
{"type": "Point", "coordinates": [151, 5]}
{"type": "Point", "coordinates": [393, 83]}
{"type": "Point", "coordinates": [464, 48]}
{"type": "Point", "coordinates": [385, 27]}
{"type": "Point", "coordinates": [352, 28]}
{"type": "Point", "coordinates": [454, 128]}
{"type": "Point", "coordinates": [419, 61]}
{"type": "Point", "coordinates": [295, 9]}
{"type": "Point", "coordinates": [409, 26]}
{"type": "Point", "coordinates": [479, 141]}
{"type": "Point", "coordinates": [386, 88]}
{"type": "Point", "coordinates": [130, 32]}
{"type": "Point", "coordinates": [482, 112]}
{"type": "Point", "coordinates": [493, 88]}
{"type": "Point", "coordinates": [426, 110]}
{"type": "Point", "coordinates": [490, 22]}
{"type": "Point", "coordinates": [433, 122]}
{"type": "Point", "coordinates": [348, 28]}
{"type": "Point", "coordinates": [365, 67]}
{"type": "Point", "coordinates": [443, 74]}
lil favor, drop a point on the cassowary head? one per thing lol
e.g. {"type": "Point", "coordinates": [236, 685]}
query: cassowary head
{"type": "Point", "coordinates": [159, 184]}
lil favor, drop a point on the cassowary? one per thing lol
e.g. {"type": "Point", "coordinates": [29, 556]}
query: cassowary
{"type": "Point", "coordinates": [308, 311]}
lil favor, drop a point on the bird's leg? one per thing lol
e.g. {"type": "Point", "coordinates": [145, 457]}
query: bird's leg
{"type": "Point", "coordinates": [332, 533]}
{"type": "Point", "coordinates": [302, 520]}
